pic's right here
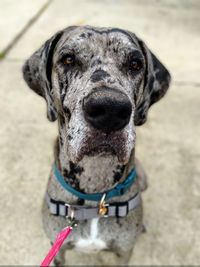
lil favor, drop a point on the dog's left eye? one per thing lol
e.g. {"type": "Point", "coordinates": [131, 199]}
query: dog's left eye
{"type": "Point", "coordinates": [68, 59]}
{"type": "Point", "coordinates": [135, 64]}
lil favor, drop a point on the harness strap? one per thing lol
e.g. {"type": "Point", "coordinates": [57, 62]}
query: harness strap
{"type": "Point", "coordinates": [117, 209]}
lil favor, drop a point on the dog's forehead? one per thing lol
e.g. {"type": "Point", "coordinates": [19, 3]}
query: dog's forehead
{"type": "Point", "coordinates": [83, 38]}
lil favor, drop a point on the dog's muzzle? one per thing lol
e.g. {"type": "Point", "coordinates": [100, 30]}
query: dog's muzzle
{"type": "Point", "coordinates": [107, 109]}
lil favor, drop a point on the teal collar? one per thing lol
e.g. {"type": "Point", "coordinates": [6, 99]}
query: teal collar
{"type": "Point", "coordinates": [118, 190]}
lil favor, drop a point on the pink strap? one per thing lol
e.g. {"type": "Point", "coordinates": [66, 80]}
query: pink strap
{"type": "Point", "coordinates": [56, 246]}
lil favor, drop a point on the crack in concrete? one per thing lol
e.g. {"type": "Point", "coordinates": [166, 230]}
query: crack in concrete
{"type": "Point", "coordinates": [24, 29]}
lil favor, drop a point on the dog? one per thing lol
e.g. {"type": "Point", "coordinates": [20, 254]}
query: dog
{"type": "Point", "coordinates": [99, 84]}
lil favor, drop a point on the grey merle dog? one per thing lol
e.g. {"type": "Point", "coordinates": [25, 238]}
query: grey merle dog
{"type": "Point", "coordinates": [99, 83]}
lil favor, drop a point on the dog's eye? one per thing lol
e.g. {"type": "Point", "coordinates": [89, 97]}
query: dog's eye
{"type": "Point", "coordinates": [135, 64]}
{"type": "Point", "coordinates": [68, 59]}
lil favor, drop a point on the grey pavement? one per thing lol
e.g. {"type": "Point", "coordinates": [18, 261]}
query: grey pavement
{"type": "Point", "coordinates": [168, 144]}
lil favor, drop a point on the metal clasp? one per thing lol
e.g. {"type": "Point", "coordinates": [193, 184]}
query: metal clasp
{"type": "Point", "coordinates": [103, 207]}
{"type": "Point", "coordinates": [70, 216]}
{"type": "Point", "coordinates": [70, 212]}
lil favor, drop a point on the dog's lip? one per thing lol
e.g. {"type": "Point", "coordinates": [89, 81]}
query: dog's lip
{"type": "Point", "coordinates": [96, 143]}
{"type": "Point", "coordinates": [101, 148]}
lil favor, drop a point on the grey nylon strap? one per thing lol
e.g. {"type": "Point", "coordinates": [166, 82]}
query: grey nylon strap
{"type": "Point", "coordinates": [80, 213]}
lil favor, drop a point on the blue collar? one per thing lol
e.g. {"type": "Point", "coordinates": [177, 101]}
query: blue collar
{"type": "Point", "coordinates": [118, 190]}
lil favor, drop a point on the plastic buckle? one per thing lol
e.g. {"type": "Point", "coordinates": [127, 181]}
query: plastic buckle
{"type": "Point", "coordinates": [122, 204]}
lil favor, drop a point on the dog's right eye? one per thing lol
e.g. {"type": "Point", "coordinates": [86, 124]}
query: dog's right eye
{"type": "Point", "coordinates": [68, 59]}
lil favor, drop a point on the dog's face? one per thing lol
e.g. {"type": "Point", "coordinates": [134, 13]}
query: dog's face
{"type": "Point", "coordinates": [99, 83]}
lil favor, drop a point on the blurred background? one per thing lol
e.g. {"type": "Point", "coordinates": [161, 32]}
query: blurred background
{"type": "Point", "coordinates": [168, 144]}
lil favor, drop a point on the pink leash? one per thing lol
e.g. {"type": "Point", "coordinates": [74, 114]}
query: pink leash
{"type": "Point", "coordinates": [56, 246]}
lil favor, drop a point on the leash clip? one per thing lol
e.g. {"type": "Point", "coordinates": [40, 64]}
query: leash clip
{"type": "Point", "coordinates": [70, 216]}
{"type": "Point", "coordinates": [103, 207]}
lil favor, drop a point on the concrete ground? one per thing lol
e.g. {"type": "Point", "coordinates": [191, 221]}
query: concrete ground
{"type": "Point", "coordinates": [168, 144]}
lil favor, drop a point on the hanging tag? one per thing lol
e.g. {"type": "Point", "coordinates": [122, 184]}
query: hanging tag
{"type": "Point", "coordinates": [103, 206]}
{"type": "Point", "coordinates": [64, 233]}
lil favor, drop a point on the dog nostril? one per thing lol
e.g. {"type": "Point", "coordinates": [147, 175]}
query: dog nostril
{"type": "Point", "coordinates": [93, 109]}
{"type": "Point", "coordinates": [97, 112]}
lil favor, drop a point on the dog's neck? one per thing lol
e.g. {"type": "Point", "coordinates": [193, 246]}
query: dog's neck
{"type": "Point", "coordinates": [92, 174]}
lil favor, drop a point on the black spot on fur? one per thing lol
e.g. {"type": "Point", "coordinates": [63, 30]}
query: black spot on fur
{"type": "Point", "coordinates": [114, 49]}
{"type": "Point", "coordinates": [118, 174]}
{"type": "Point", "coordinates": [120, 82]}
{"type": "Point", "coordinates": [69, 137]}
{"type": "Point", "coordinates": [67, 112]}
{"type": "Point", "coordinates": [83, 35]}
{"type": "Point", "coordinates": [61, 140]}
{"type": "Point", "coordinates": [110, 81]}
{"type": "Point", "coordinates": [109, 42]}
{"type": "Point", "coordinates": [96, 62]}
{"type": "Point", "coordinates": [70, 175]}
{"type": "Point", "coordinates": [75, 168]}
{"type": "Point", "coordinates": [76, 74]}
{"type": "Point", "coordinates": [62, 97]}
{"type": "Point", "coordinates": [99, 75]}
{"type": "Point", "coordinates": [90, 34]}
{"type": "Point", "coordinates": [61, 85]}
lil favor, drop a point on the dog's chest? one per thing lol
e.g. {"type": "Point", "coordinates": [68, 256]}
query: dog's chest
{"type": "Point", "coordinates": [93, 241]}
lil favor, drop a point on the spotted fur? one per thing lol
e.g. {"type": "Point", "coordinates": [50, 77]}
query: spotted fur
{"type": "Point", "coordinates": [91, 160]}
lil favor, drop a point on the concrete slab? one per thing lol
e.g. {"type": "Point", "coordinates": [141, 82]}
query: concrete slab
{"type": "Point", "coordinates": [168, 145]}
{"type": "Point", "coordinates": [14, 15]}
{"type": "Point", "coordinates": [170, 28]}
{"type": "Point", "coordinates": [22, 190]}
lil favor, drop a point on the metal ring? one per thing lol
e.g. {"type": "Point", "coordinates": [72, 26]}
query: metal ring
{"type": "Point", "coordinates": [71, 211]}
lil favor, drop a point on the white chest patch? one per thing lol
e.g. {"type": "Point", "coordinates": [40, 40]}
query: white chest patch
{"type": "Point", "coordinates": [92, 243]}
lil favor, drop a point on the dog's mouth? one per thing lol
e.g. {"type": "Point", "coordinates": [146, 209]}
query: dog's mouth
{"type": "Point", "coordinates": [116, 144]}
{"type": "Point", "coordinates": [101, 150]}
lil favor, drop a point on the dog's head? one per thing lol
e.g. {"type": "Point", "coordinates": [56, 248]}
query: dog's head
{"type": "Point", "coordinates": [99, 83]}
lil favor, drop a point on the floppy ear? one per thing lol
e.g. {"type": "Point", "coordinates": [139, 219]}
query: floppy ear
{"type": "Point", "coordinates": [37, 73]}
{"type": "Point", "coordinates": [156, 83]}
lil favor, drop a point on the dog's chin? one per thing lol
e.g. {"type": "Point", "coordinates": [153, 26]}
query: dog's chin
{"type": "Point", "coordinates": [102, 151]}
{"type": "Point", "coordinates": [117, 146]}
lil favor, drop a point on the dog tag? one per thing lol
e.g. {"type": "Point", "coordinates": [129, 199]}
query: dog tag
{"type": "Point", "coordinates": [64, 233]}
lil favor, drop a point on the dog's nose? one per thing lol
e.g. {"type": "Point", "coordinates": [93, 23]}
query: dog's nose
{"type": "Point", "coordinates": [107, 109]}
